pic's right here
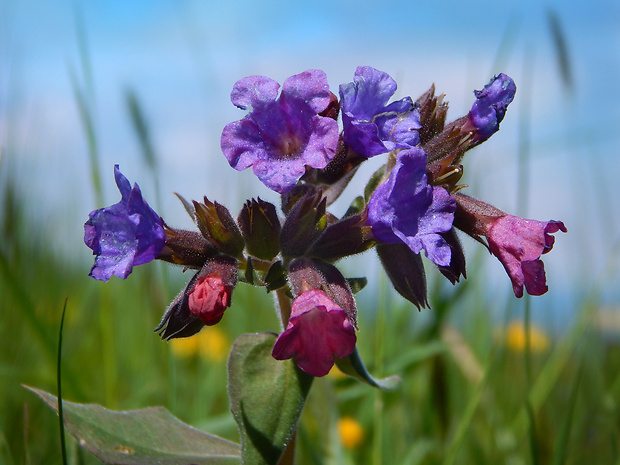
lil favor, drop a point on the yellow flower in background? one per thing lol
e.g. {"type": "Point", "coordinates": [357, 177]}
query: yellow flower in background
{"type": "Point", "coordinates": [351, 432]}
{"type": "Point", "coordinates": [515, 337]}
{"type": "Point", "coordinates": [184, 346]}
{"type": "Point", "coordinates": [211, 344]}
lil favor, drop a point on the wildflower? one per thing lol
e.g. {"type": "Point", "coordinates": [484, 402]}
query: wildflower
{"type": "Point", "coordinates": [281, 135]}
{"type": "Point", "coordinates": [210, 343]}
{"type": "Point", "coordinates": [209, 298]}
{"type": "Point", "coordinates": [350, 432]}
{"type": "Point", "coordinates": [213, 344]}
{"type": "Point", "coordinates": [123, 235]}
{"type": "Point", "coordinates": [518, 243]}
{"type": "Point", "coordinates": [371, 126]}
{"type": "Point", "coordinates": [407, 209]}
{"type": "Point", "coordinates": [490, 106]}
{"type": "Point", "coordinates": [211, 293]}
{"type": "Point", "coordinates": [516, 336]}
{"type": "Point", "coordinates": [185, 347]}
{"type": "Point", "coordinates": [318, 332]}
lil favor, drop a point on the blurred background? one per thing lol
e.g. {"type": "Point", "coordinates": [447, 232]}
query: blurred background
{"type": "Point", "coordinates": [86, 85]}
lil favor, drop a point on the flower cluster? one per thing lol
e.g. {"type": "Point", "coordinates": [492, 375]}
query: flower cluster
{"type": "Point", "coordinates": [292, 141]}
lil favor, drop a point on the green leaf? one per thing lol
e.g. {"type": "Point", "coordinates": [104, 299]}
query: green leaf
{"type": "Point", "coordinates": [266, 397]}
{"type": "Point", "coordinates": [137, 437]}
{"type": "Point", "coordinates": [354, 366]}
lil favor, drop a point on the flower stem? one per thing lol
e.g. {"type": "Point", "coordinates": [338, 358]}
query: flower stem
{"type": "Point", "coordinates": [283, 305]}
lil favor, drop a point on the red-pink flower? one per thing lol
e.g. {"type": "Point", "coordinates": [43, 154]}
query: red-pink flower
{"type": "Point", "coordinates": [519, 243]}
{"type": "Point", "coordinates": [209, 298]}
{"type": "Point", "coordinates": [318, 332]}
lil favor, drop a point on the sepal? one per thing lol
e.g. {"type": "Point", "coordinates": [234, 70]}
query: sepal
{"type": "Point", "coordinates": [304, 223]}
{"type": "Point", "coordinates": [178, 321]}
{"type": "Point", "coordinates": [433, 111]}
{"type": "Point", "coordinates": [406, 272]}
{"type": "Point", "coordinates": [186, 248]}
{"type": "Point", "coordinates": [346, 237]}
{"type": "Point", "coordinates": [260, 228]}
{"type": "Point", "coordinates": [217, 225]}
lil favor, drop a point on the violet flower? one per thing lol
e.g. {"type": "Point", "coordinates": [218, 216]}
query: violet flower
{"type": "Point", "coordinates": [371, 126]}
{"type": "Point", "coordinates": [123, 235]}
{"type": "Point", "coordinates": [407, 209]}
{"type": "Point", "coordinates": [281, 135]}
{"type": "Point", "coordinates": [318, 332]}
{"type": "Point", "coordinates": [518, 244]}
{"type": "Point", "coordinates": [490, 106]}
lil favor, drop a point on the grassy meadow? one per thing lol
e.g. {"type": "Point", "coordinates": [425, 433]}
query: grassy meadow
{"type": "Point", "coordinates": [482, 382]}
{"type": "Point", "coordinates": [474, 389]}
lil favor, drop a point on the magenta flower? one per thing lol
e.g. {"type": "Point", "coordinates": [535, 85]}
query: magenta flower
{"type": "Point", "coordinates": [519, 243]}
{"type": "Point", "coordinates": [281, 135]}
{"type": "Point", "coordinates": [490, 106]}
{"type": "Point", "coordinates": [123, 235]}
{"type": "Point", "coordinates": [407, 209]}
{"type": "Point", "coordinates": [371, 126]}
{"type": "Point", "coordinates": [318, 332]}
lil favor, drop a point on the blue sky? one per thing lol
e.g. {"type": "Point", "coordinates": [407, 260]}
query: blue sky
{"type": "Point", "coordinates": [182, 58]}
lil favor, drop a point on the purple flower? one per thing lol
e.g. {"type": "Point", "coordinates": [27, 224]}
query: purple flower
{"type": "Point", "coordinates": [124, 235]}
{"type": "Point", "coordinates": [518, 244]}
{"type": "Point", "coordinates": [281, 135]}
{"type": "Point", "coordinates": [407, 209]}
{"type": "Point", "coordinates": [490, 106]}
{"type": "Point", "coordinates": [371, 126]}
{"type": "Point", "coordinates": [318, 332]}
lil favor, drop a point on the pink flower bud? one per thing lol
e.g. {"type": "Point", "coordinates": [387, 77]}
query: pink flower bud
{"type": "Point", "coordinates": [209, 298]}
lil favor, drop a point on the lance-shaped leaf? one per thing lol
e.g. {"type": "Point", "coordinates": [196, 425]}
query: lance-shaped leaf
{"type": "Point", "coordinates": [218, 226]}
{"type": "Point", "coordinates": [354, 366]}
{"type": "Point", "coordinates": [406, 272]}
{"type": "Point", "coordinates": [260, 227]}
{"type": "Point", "coordinates": [266, 397]}
{"type": "Point", "coordinates": [137, 437]}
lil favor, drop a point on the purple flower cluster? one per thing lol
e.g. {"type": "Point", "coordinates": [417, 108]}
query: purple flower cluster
{"type": "Point", "coordinates": [290, 138]}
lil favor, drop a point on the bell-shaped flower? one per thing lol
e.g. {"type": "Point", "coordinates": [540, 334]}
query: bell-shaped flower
{"type": "Point", "coordinates": [405, 208]}
{"type": "Point", "coordinates": [281, 135]}
{"type": "Point", "coordinates": [123, 235]}
{"type": "Point", "coordinates": [371, 125]}
{"type": "Point", "coordinates": [490, 106]}
{"type": "Point", "coordinates": [318, 332]}
{"type": "Point", "coordinates": [518, 244]}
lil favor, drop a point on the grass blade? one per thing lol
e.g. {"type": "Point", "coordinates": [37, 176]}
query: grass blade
{"type": "Point", "coordinates": [61, 417]}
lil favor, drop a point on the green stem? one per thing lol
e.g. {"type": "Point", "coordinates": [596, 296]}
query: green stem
{"type": "Point", "coordinates": [283, 303]}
